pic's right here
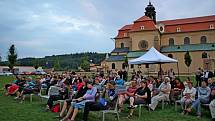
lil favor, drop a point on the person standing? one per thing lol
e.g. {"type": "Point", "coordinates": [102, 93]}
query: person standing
{"type": "Point", "coordinates": [198, 77]}
{"type": "Point", "coordinates": [171, 74]}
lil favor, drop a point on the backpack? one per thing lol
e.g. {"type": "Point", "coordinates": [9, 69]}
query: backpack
{"type": "Point", "coordinates": [56, 108]}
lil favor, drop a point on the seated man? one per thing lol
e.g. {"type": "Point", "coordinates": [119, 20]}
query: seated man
{"type": "Point", "coordinates": [126, 97]}
{"type": "Point", "coordinates": [212, 104]}
{"type": "Point", "coordinates": [67, 102]}
{"type": "Point", "coordinates": [107, 101]}
{"type": "Point", "coordinates": [142, 96]}
{"type": "Point", "coordinates": [188, 96]}
{"type": "Point", "coordinates": [164, 89]}
{"type": "Point", "coordinates": [203, 97]}
{"type": "Point", "coordinates": [62, 96]}
{"type": "Point", "coordinates": [79, 103]}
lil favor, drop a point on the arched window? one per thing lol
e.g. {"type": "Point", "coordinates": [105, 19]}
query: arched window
{"type": "Point", "coordinates": [147, 65]}
{"type": "Point", "coordinates": [132, 66]}
{"type": "Point", "coordinates": [123, 66]}
{"type": "Point", "coordinates": [204, 55]}
{"type": "Point", "coordinates": [203, 40]}
{"type": "Point", "coordinates": [171, 41]}
{"type": "Point", "coordinates": [170, 55]}
{"type": "Point", "coordinates": [186, 40]}
{"type": "Point", "coordinates": [122, 45]}
{"type": "Point", "coordinates": [113, 66]}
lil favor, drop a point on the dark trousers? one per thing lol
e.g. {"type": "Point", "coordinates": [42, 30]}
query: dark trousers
{"type": "Point", "coordinates": [198, 80]}
{"type": "Point", "coordinates": [91, 106]}
{"type": "Point", "coordinates": [53, 98]}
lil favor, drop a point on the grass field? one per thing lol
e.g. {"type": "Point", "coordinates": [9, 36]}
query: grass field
{"type": "Point", "coordinates": [11, 110]}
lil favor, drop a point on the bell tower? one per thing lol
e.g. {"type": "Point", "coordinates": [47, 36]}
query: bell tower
{"type": "Point", "coordinates": [150, 11]}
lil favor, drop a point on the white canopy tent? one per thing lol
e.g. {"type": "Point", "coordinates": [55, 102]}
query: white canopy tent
{"type": "Point", "coordinates": [152, 57]}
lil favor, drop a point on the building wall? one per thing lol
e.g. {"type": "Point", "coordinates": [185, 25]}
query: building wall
{"type": "Point", "coordinates": [149, 36]}
{"type": "Point", "coordinates": [126, 41]}
{"type": "Point", "coordinates": [118, 64]}
{"type": "Point", "coordinates": [194, 37]}
{"type": "Point", "coordinates": [197, 61]}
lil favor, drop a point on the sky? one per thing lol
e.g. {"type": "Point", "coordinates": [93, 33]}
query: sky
{"type": "Point", "coordinates": [41, 28]}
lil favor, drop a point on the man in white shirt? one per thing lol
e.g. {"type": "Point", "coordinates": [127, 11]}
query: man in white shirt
{"type": "Point", "coordinates": [164, 89]}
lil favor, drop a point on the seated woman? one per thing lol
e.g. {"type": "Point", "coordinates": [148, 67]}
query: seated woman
{"type": "Point", "coordinates": [97, 84]}
{"type": "Point", "coordinates": [28, 88]}
{"type": "Point", "coordinates": [62, 95]}
{"type": "Point", "coordinates": [107, 101]}
{"type": "Point", "coordinates": [6, 86]}
{"type": "Point", "coordinates": [203, 97]}
{"type": "Point", "coordinates": [176, 90]}
{"type": "Point", "coordinates": [188, 96]}
{"type": "Point", "coordinates": [79, 103]}
{"type": "Point", "coordinates": [17, 87]}
{"type": "Point", "coordinates": [142, 96]}
{"type": "Point", "coordinates": [129, 93]}
{"type": "Point", "coordinates": [212, 104]}
{"type": "Point", "coordinates": [79, 94]}
{"type": "Point", "coordinates": [119, 81]}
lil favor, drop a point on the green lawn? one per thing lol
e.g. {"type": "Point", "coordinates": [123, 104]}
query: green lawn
{"type": "Point", "coordinates": [11, 110]}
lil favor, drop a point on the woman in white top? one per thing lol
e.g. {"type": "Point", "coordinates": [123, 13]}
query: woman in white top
{"type": "Point", "coordinates": [188, 96]}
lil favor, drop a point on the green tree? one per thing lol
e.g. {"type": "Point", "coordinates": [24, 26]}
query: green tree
{"type": "Point", "coordinates": [126, 61]}
{"type": "Point", "coordinates": [0, 58]}
{"type": "Point", "coordinates": [36, 64]}
{"type": "Point", "coordinates": [187, 60]}
{"type": "Point", "coordinates": [126, 66]}
{"type": "Point", "coordinates": [12, 56]}
{"type": "Point", "coordinates": [57, 64]}
{"type": "Point", "coordinates": [85, 63]}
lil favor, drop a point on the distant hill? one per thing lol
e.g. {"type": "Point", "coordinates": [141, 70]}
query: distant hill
{"type": "Point", "coordinates": [66, 61]}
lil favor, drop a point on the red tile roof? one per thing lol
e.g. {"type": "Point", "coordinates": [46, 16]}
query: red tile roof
{"type": "Point", "coordinates": [189, 24]}
{"type": "Point", "coordinates": [189, 20]}
{"type": "Point", "coordinates": [185, 25]}
{"type": "Point", "coordinates": [145, 21]}
{"type": "Point", "coordinates": [143, 18]}
{"type": "Point", "coordinates": [127, 27]}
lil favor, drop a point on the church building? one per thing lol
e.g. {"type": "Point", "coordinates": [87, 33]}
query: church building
{"type": "Point", "coordinates": [171, 37]}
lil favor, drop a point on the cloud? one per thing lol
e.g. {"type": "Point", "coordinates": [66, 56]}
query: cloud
{"type": "Point", "coordinates": [41, 28]}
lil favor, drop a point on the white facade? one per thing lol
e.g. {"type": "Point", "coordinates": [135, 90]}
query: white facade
{"type": "Point", "coordinates": [20, 69]}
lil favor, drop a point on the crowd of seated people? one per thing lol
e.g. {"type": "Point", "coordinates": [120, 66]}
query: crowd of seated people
{"type": "Point", "coordinates": [100, 93]}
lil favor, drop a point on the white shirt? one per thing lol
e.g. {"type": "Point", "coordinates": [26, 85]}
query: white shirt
{"type": "Point", "coordinates": [191, 91]}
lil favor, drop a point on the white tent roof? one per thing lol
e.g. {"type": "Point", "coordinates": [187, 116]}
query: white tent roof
{"type": "Point", "coordinates": [152, 57]}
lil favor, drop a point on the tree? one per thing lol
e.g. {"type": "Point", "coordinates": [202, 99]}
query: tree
{"type": "Point", "coordinates": [36, 64]}
{"type": "Point", "coordinates": [126, 61]}
{"type": "Point", "coordinates": [187, 60]}
{"type": "Point", "coordinates": [0, 58]}
{"type": "Point", "coordinates": [57, 64]}
{"type": "Point", "coordinates": [12, 56]}
{"type": "Point", "coordinates": [126, 66]}
{"type": "Point", "coordinates": [85, 63]}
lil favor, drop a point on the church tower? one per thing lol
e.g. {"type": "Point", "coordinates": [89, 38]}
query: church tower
{"type": "Point", "coordinates": [150, 12]}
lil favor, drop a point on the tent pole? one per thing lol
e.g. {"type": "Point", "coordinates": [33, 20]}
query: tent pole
{"type": "Point", "coordinates": [178, 69]}
{"type": "Point", "coordinates": [160, 72]}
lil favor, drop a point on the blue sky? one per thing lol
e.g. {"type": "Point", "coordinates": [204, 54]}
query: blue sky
{"type": "Point", "coordinates": [50, 27]}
